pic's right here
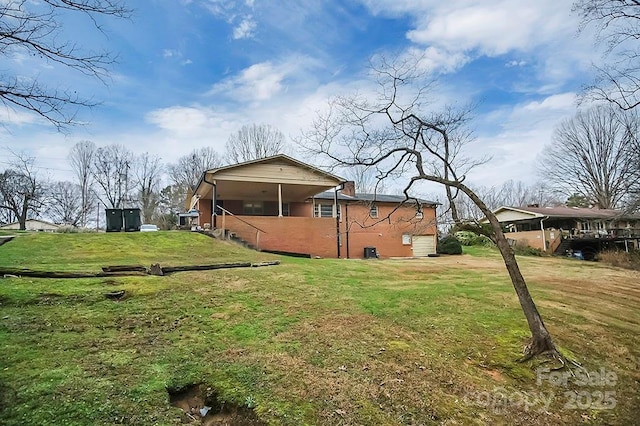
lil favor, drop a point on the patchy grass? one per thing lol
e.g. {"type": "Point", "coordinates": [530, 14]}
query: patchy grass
{"type": "Point", "coordinates": [430, 341]}
{"type": "Point", "coordinates": [90, 251]}
{"type": "Point", "coordinates": [621, 259]}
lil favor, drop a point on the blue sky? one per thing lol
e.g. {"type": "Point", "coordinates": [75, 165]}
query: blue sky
{"type": "Point", "coordinates": [192, 72]}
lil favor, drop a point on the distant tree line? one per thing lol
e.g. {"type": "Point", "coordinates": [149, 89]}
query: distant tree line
{"type": "Point", "coordinates": [113, 177]}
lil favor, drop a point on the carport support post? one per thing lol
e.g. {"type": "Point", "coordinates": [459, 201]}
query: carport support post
{"type": "Point", "coordinates": [214, 201]}
{"type": "Point", "coordinates": [279, 200]}
{"type": "Point", "coordinates": [544, 238]}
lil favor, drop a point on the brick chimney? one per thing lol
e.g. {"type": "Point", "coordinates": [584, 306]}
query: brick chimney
{"type": "Point", "coordinates": [349, 188]}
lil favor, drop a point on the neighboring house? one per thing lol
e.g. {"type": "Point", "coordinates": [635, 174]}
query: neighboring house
{"type": "Point", "coordinates": [32, 225]}
{"type": "Point", "coordinates": [563, 229]}
{"type": "Point", "coordinates": [283, 205]}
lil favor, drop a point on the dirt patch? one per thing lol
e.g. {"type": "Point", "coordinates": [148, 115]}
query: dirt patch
{"type": "Point", "coordinates": [200, 404]}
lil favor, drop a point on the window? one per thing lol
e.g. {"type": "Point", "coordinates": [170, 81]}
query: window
{"type": "Point", "coordinates": [373, 211]}
{"type": "Point", "coordinates": [419, 215]}
{"type": "Point", "coordinates": [285, 209]}
{"type": "Point", "coordinates": [323, 210]}
{"type": "Point", "coordinates": [406, 239]}
{"type": "Point", "coordinates": [253, 208]}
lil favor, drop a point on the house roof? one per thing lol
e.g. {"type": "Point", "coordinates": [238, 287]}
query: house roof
{"type": "Point", "coordinates": [31, 221]}
{"type": "Point", "coordinates": [261, 180]}
{"type": "Point", "coordinates": [273, 158]}
{"type": "Point", "coordinates": [381, 198]}
{"type": "Point", "coordinates": [568, 212]}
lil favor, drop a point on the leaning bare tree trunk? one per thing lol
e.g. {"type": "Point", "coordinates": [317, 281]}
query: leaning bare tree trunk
{"type": "Point", "coordinates": [540, 338]}
{"type": "Point", "coordinates": [541, 341]}
{"type": "Point", "coordinates": [452, 207]}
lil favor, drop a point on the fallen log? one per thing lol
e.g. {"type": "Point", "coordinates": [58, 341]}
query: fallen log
{"type": "Point", "coordinates": [123, 268]}
{"type": "Point", "coordinates": [18, 272]}
{"type": "Point", "coordinates": [44, 274]}
{"type": "Point", "coordinates": [171, 269]}
{"type": "Point", "coordinates": [6, 239]}
{"type": "Point", "coordinates": [128, 270]}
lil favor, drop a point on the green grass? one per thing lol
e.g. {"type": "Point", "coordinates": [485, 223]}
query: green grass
{"type": "Point", "coordinates": [90, 251]}
{"type": "Point", "coordinates": [306, 342]}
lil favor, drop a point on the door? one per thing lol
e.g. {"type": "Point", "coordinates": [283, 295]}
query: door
{"type": "Point", "coordinates": [423, 245]}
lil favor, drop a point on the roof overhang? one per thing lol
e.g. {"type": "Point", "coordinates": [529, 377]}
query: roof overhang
{"type": "Point", "coordinates": [265, 179]}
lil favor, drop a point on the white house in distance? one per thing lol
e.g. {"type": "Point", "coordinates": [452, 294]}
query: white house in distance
{"type": "Point", "coordinates": [32, 225]}
{"type": "Point", "coordinates": [561, 229]}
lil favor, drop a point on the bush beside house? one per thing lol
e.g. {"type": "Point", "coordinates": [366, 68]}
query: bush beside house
{"type": "Point", "coordinates": [449, 245]}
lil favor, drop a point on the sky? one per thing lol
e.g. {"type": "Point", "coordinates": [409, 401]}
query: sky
{"type": "Point", "coordinates": [189, 73]}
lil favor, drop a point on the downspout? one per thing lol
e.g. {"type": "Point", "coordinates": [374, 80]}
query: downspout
{"type": "Point", "coordinates": [346, 226]}
{"type": "Point", "coordinates": [335, 203]}
{"type": "Point", "coordinates": [544, 238]}
{"type": "Point", "coordinates": [214, 200]}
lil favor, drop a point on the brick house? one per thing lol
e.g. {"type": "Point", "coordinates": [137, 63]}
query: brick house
{"type": "Point", "coordinates": [284, 205]}
{"type": "Point", "coordinates": [561, 229]}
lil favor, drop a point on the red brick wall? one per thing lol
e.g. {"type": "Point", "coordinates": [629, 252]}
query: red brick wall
{"type": "Point", "coordinates": [204, 207]}
{"type": "Point", "coordinates": [385, 236]}
{"type": "Point", "coordinates": [315, 236]}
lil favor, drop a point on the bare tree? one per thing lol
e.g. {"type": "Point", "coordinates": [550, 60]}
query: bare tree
{"type": "Point", "coordinates": [411, 143]}
{"type": "Point", "coordinates": [589, 156]}
{"type": "Point", "coordinates": [632, 201]}
{"type": "Point", "coordinates": [81, 159]}
{"type": "Point", "coordinates": [21, 189]}
{"type": "Point", "coordinates": [110, 170]}
{"type": "Point", "coordinates": [253, 142]}
{"type": "Point", "coordinates": [365, 179]}
{"type": "Point", "coordinates": [65, 203]}
{"type": "Point", "coordinates": [35, 30]}
{"type": "Point", "coordinates": [188, 170]}
{"type": "Point", "coordinates": [147, 171]}
{"type": "Point", "coordinates": [617, 81]}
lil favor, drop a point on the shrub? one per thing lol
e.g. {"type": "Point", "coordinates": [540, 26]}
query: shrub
{"type": "Point", "coordinates": [69, 229]}
{"type": "Point", "coordinates": [449, 245]}
{"type": "Point", "coordinates": [621, 259]}
{"type": "Point", "coordinates": [468, 238]}
{"type": "Point", "coordinates": [523, 248]}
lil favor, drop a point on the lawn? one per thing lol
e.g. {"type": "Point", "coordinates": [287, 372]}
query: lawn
{"type": "Point", "coordinates": [310, 341]}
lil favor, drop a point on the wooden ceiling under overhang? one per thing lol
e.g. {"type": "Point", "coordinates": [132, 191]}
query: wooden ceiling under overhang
{"type": "Point", "coordinates": [259, 180]}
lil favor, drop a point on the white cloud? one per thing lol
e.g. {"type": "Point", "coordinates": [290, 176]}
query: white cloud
{"type": "Point", "coordinates": [515, 63]}
{"type": "Point", "coordinates": [257, 83]}
{"type": "Point", "coordinates": [20, 117]}
{"type": "Point", "coordinates": [265, 80]}
{"type": "Point", "coordinates": [170, 53]}
{"type": "Point", "coordinates": [492, 27]}
{"type": "Point", "coordinates": [514, 137]}
{"type": "Point", "coordinates": [245, 29]}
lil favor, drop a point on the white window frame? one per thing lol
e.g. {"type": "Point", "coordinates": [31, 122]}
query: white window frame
{"type": "Point", "coordinates": [321, 210]}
